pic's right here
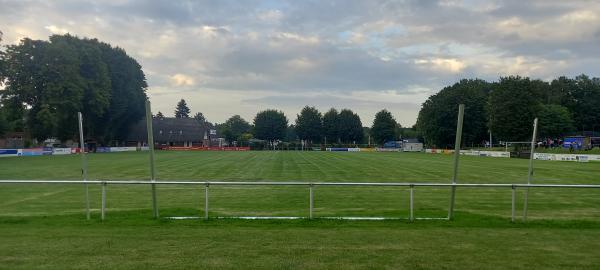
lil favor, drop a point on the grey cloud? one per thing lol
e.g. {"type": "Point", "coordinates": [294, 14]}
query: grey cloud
{"type": "Point", "coordinates": [307, 47]}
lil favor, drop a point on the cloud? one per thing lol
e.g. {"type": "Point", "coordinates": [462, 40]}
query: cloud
{"type": "Point", "coordinates": [56, 30]}
{"type": "Point", "coordinates": [236, 57]}
{"type": "Point", "coordinates": [182, 80]}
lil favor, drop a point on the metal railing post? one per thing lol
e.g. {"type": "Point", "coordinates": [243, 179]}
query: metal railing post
{"type": "Point", "coordinates": [411, 204]}
{"type": "Point", "coordinates": [457, 142]}
{"type": "Point", "coordinates": [530, 171]}
{"type": "Point", "coordinates": [206, 201]}
{"type": "Point", "coordinates": [103, 207]}
{"type": "Point", "coordinates": [513, 203]}
{"type": "Point", "coordinates": [311, 202]}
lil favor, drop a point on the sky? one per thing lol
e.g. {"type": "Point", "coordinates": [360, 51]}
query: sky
{"type": "Point", "coordinates": [240, 57]}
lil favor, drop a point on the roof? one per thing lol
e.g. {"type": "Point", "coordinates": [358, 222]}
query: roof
{"type": "Point", "coordinates": [169, 129]}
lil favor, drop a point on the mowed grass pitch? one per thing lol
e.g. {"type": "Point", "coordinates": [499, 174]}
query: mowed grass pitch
{"type": "Point", "coordinates": [43, 226]}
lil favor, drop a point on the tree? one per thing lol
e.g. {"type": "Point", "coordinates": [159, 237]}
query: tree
{"type": "Point", "coordinates": [554, 121]}
{"type": "Point", "coordinates": [200, 118]}
{"type": "Point", "coordinates": [160, 115]}
{"type": "Point", "coordinates": [513, 104]}
{"type": "Point", "coordinates": [384, 127]}
{"type": "Point", "coordinates": [350, 127]}
{"type": "Point", "coordinates": [48, 82]}
{"type": "Point", "coordinates": [182, 110]}
{"type": "Point", "coordinates": [3, 124]}
{"type": "Point", "coordinates": [331, 126]}
{"type": "Point", "coordinates": [438, 115]}
{"type": "Point", "coordinates": [234, 128]}
{"type": "Point", "coordinates": [270, 125]}
{"type": "Point", "coordinates": [309, 124]}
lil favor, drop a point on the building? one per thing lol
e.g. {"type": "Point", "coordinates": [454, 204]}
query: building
{"type": "Point", "coordinates": [170, 131]}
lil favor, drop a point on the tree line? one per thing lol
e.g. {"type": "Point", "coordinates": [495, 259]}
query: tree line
{"type": "Point", "coordinates": [48, 82]}
{"type": "Point", "coordinates": [311, 126]}
{"type": "Point", "coordinates": [506, 108]}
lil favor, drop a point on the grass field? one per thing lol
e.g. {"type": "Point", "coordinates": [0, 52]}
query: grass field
{"type": "Point", "coordinates": [44, 226]}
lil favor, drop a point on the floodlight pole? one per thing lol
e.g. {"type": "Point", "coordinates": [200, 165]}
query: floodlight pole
{"type": "Point", "coordinates": [530, 171]}
{"type": "Point", "coordinates": [151, 149]}
{"type": "Point", "coordinates": [84, 165]}
{"type": "Point", "coordinates": [459, 126]}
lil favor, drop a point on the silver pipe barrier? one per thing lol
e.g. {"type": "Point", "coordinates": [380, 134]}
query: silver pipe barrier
{"type": "Point", "coordinates": [310, 185]}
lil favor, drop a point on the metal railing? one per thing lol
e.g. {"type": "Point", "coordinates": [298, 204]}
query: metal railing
{"type": "Point", "coordinates": [310, 186]}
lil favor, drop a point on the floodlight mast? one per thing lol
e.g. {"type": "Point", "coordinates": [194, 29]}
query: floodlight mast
{"type": "Point", "coordinates": [84, 165]}
{"type": "Point", "coordinates": [530, 171]}
{"type": "Point", "coordinates": [457, 142]}
{"type": "Point", "coordinates": [151, 149]}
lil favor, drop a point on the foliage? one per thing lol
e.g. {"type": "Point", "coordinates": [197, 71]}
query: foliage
{"type": "Point", "coordinates": [331, 126]}
{"type": "Point", "coordinates": [438, 116]}
{"type": "Point", "coordinates": [160, 115]}
{"type": "Point", "coordinates": [554, 121]}
{"type": "Point", "coordinates": [234, 128]}
{"type": "Point", "coordinates": [3, 124]}
{"type": "Point", "coordinates": [309, 124]}
{"type": "Point", "coordinates": [384, 127]}
{"type": "Point", "coordinates": [350, 128]}
{"type": "Point", "coordinates": [270, 125]}
{"type": "Point", "coordinates": [182, 110]}
{"type": "Point", "coordinates": [582, 97]}
{"type": "Point", "coordinates": [513, 104]}
{"type": "Point", "coordinates": [48, 82]}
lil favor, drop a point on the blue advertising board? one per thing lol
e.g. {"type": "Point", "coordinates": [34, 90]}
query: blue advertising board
{"type": "Point", "coordinates": [573, 142]}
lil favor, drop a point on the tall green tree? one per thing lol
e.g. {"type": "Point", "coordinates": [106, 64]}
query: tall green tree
{"type": "Point", "coordinates": [160, 115]}
{"type": "Point", "coordinates": [331, 126]}
{"type": "Point", "coordinates": [3, 124]}
{"type": "Point", "coordinates": [585, 103]}
{"type": "Point", "coordinates": [384, 127]}
{"type": "Point", "coordinates": [182, 110]}
{"type": "Point", "coordinates": [234, 128]}
{"type": "Point", "coordinates": [350, 127]}
{"type": "Point", "coordinates": [554, 121]}
{"type": "Point", "coordinates": [200, 118]}
{"type": "Point", "coordinates": [48, 82]}
{"type": "Point", "coordinates": [513, 104]}
{"type": "Point", "coordinates": [438, 115]}
{"type": "Point", "coordinates": [270, 125]}
{"type": "Point", "coordinates": [309, 124]}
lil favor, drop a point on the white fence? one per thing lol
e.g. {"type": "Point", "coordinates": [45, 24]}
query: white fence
{"type": "Point", "coordinates": [309, 185]}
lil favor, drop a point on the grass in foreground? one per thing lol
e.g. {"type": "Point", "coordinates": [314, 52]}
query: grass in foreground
{"type": "Point", "coordinates": [133, 241]}
{"type": "Point", "coordinates": [44, 226]}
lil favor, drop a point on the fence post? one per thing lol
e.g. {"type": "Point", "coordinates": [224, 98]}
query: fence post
{"type": "Point", "coordinates": [513, 203]}
{"type": "Point", "coordinates": [206, 201]}
{"type": "Point", "coordinates": [151, 149]}
{"type": "Point", "coordinates": [311, 202]}
{"type": "Point", "coordinates": [84, 165]}
{"type": "Point", "coordinates": [530, 171]}
{"type": "Point", "coordinates": [411, 204]}
{"type": "Point", "coordinates": [103, 207]}
{"type": "Point", "coordinates": [457, 142]}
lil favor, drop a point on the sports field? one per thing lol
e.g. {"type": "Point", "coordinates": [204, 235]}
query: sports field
{"type": "Point", "coordinates": [44, 226]}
